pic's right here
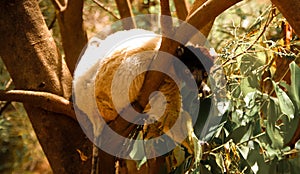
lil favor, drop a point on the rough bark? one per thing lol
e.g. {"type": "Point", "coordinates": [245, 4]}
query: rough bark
{"type": "Point", "coordinates": [289, 10]}
{"type": "Point", "coordinates": [72, 32]}
{"type": "Point", "coordinates": [124, 8]}
{"type": "Point", "coordinates": [31, 57]}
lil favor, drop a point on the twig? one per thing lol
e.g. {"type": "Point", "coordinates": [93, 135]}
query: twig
{"type": "Point", "coordinates": [238, 144]}
{"type": "Point", "coordinates": [45, 100]}
{"type": "Point", "coordinates": [269, 19]}
{"type": "Point", "coordinates": [101, 5]}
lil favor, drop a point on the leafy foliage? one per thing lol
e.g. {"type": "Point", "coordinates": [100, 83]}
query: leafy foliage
{"type": "Point", "coordinates": [258, 125]}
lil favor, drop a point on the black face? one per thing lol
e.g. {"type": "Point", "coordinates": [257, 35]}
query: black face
{"type": "Point", "coordinates": [194, 58]}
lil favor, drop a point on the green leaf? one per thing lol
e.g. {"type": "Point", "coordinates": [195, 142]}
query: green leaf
{"type": "Point", "coordinates": [295, 82]}
{"type": "Point", "coordinates": [293, 91]}
{"type": "Point", "coordinates": [246, 87]}
{"type": "Point", "coordinates": [179, 156]}
{"type": "Point", "coordinates": [285, 103]}
{"type": "Point", "coordinates": [272, 130]}
{"type": "Point", "coordinates": [252, 106]}
{"type": "Point", "coordinates": [297, 145]}
{"type": "Point", "coordinates": [138, 151]}
{"type": "Point", "coordinates": [220, 161]}
{"type": "Point", "coordinates": [240, 134]}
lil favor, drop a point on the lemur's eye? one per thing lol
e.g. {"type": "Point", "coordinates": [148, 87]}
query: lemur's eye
{"type": "Point", "coordinates": [180, 51]}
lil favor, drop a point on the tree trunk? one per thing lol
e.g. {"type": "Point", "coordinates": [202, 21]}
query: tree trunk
{"type": "Point", "coordinates": [72, 32]}
{"type": "Point", "coordinates": [31, 57]}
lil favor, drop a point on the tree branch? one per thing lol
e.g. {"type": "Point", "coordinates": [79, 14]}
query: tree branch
{"type": "Point", "coordinates": [166, 22]}
{"type": "Point", "coordinates": [72, 32]}
{"type": "Point", "coordinates": [48, 101]}
{"type": "Point", "coordinates": [124, 7]}
{"type": "Point", "coordinates": [202, 16]}
{"type": "Point", "coordinates": [206, 29]}
{"type": "Point", "coordinates": [181, 9]}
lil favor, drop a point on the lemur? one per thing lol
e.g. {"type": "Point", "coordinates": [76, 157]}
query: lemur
{"type": "Point", "coordinates": [92, 85]}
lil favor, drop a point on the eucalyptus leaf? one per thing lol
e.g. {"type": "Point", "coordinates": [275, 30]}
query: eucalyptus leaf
{"type": "Point", "coordinates": [295, 83]}
{"type": "Point", "coordinates": [297, 145]}
{"type": "Point", "coordinates": [272, 130]}
{"type": "Point", "coordinates": [220, 161]}
{"type": "Point", "coordinates": [285, 103]}
{"type": "Point", "coordinates": [242, 132]}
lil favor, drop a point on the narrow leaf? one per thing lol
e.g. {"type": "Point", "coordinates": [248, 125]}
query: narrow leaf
{"type": "Point", "coordinates": [285, 103]}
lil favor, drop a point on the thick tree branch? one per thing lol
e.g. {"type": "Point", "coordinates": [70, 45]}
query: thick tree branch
{"type": "Point", "coordinates": [166, 22]}
{"type": "Point", "coordinates": [72, 32]}
{"type": "Point", "coordinates": [202, 16]}
{"type": "Point", "coordinates": [48, 101]}
{"type": "Point", "coordinates": [181, 9]}
{"type": "Point", "coordinates": [206, 29]}
{"type": "Point", "coordinates": [124, 7]}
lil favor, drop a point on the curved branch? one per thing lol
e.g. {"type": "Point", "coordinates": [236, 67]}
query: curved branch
{"type": "Point", "coordinates": [202, 16]}
{"type": "Point", "coordinates": [60, 6]}
{"type": "Point", "coordinates": [45, 100]}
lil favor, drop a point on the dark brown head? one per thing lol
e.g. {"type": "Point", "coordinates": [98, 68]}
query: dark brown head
{"type": "Point", "coordinates": [198, 61]}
